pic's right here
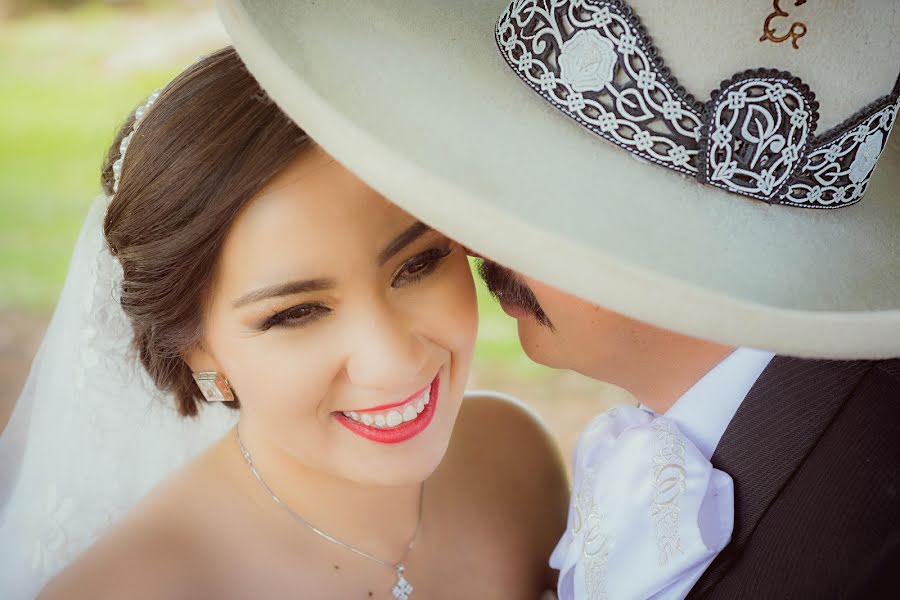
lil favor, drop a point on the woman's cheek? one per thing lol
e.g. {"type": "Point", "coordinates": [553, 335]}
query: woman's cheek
{"type": "Point", "coordinates": [282, 373]}
{"type": "Point", "coordinates": [460, 307]}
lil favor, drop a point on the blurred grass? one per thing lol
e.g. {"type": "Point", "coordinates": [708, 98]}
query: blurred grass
{"type": "Point", "coordinates": [60, 106]}
{"type": "Point", "coordinates": [67, 83]}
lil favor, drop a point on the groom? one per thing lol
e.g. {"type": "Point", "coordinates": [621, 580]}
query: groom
{"type": "Point", "coordinates": [812, 445]}
{"type": "Point", "coordinates": [685, 247]}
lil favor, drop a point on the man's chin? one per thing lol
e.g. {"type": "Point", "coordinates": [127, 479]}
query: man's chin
{"type": "Point", "coordinates": [538, 343]}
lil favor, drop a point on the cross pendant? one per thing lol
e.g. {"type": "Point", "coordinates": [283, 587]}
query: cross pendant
{"type": "Point", "coordinates": [402, 589]}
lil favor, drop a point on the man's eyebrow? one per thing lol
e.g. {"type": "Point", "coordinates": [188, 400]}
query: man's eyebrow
{"type": "Point", "coordinates": [284, 289]}
{"type": "Point", "coordinates": [409, 235]}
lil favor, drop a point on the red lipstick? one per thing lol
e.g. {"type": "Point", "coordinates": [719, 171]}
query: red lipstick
{"type": "Point", "coordinates": [394, 405]}
{"type": "Point", "coordinates": [402, 432]}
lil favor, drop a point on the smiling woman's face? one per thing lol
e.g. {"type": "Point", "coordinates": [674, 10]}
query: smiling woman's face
{"type": "Point", "coordinates": [334, 315]}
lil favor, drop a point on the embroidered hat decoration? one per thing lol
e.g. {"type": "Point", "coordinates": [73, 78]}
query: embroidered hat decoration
{"type": "Point", "coordinates": [594, 61]}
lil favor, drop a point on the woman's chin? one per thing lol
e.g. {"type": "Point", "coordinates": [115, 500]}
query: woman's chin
{"type": "Point", "coordinates": [410, 462]}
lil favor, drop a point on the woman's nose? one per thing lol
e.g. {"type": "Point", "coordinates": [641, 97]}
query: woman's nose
{"type": "Point", "coordinates": [388, 353]}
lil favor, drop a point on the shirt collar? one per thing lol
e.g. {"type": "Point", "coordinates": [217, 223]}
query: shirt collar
{"type": "Point", "coordinates": [704, 411]}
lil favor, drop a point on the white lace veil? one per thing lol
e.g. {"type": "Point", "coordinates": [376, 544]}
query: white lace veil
{"type": "Point", "coordinates": [90, 434]}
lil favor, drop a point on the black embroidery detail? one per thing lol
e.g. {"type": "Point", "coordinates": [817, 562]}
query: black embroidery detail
{"type": "Point", "coordinates": [764, 145]}
{"type": "Point", "coordinates": [594, 61]}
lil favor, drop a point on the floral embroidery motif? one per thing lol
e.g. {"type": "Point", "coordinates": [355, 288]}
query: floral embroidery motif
{"type": "Point", "coordinates": [867, 155]}
{"type": "Point", "coordinates": [837, 172]}
{"type": "Point", "coordinates": [641, 494]}
{"type": "Point", "coordinates": [669, 477]}
{"type": "Point", "coordinates": [593, 60]}
{"type": "Point", "coordinates": [597, 51]}
{"type": "Point", "coordinates": [754, 144]}
{"type": "Point", "coordinates": [587, 61]}
{"type": "Point", "coordinates": [588, 528]}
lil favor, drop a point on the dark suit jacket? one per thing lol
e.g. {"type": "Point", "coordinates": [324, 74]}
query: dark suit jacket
{"type": "Point", "coordinates": [814, 451]}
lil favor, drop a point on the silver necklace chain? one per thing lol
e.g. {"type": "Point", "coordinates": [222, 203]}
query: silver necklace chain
{"type": "Point", "coordinates": [402, 590]}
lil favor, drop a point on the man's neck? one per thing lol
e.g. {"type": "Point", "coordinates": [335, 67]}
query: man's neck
{"type": "Point", "coordinates": [684, 366]}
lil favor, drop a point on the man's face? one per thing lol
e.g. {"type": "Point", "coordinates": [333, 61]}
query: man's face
{"type": "Point", "coordinates": [565, 332]}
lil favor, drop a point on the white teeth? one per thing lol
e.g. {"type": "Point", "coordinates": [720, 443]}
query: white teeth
{"type": "Point", "coordinates": [408, 412]}
{"type": "Point", "coordinates": [394, 418]}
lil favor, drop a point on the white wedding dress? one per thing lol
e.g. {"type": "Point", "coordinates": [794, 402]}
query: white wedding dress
{"type": "Point", "coordinates": [90, 433]}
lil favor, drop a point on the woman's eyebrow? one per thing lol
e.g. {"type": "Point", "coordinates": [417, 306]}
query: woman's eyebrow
{"type": "Point", "coordinates": [284, 289]}
{"type": "Point", "coordinates": [407, 237]}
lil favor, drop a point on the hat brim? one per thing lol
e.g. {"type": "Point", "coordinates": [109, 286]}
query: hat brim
{"type": "Point", "coordinates": [416, 99]}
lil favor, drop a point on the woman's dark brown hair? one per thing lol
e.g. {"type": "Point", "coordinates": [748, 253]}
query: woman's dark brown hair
{"type": "Point", "coordinates": [211, 141]}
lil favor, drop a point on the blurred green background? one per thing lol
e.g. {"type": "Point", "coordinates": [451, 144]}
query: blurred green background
{"type": "Point", "coordinates": [69, 78]}
{"type": "Point", "coordinates": [69, 73]}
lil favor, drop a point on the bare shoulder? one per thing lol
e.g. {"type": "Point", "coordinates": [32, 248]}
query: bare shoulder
{"type": "Point", "coordinates": [505, 431]}
{"type": "Point", "coordinates": [135, 560]}
{"type": "Point", "coordinates": [156, 550]}
{"type": "Point", "coordinates": [507, 447]}
{"type": "Point", "coordinates": [513, 471]}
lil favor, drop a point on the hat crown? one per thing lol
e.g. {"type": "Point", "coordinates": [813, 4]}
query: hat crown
{"type": "Point", "coordinates": [847, 53]}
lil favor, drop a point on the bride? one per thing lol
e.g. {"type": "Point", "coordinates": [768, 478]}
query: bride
{"type": "Point", "coordinates": [259, 274]}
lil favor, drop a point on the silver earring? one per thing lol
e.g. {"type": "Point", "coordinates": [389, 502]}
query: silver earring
{"type": "Point", "coordinates": [214, 386]}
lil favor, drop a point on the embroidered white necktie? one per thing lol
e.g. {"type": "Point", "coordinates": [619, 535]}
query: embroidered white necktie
{"type": "Point", "coordinates": [648, 512]}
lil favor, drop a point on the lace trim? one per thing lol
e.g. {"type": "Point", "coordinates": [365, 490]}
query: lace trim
{"type": "Point", "coordinates": [590, 530]}
{"type": "Point", "coordinates": [669, 485]}
{"type": "Point", "coordinates": [74, 488]}
{"type": "Point", "coordinates": [594, 61]}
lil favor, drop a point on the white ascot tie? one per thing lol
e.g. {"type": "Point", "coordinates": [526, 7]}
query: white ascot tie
{"type": "Point", "coordinates": [648, 512]}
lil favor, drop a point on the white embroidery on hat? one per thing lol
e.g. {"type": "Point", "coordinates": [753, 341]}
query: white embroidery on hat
{"type": "Point", "coordinates": [867, 155]}
{"type": "Point", "coordinates": [832, 176]}
{"type": "Point", "coordinates": [593, 60]}
{"type": "Point", "coordinates": [587, 61]}
{"type": "Point", "coordinates": [760, 131]}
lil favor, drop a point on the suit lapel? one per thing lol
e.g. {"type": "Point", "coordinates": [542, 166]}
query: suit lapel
{"type": "Point", "coordinates": [772, 432]}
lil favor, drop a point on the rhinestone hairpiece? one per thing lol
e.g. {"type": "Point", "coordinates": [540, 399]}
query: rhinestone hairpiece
{"type": "Point", "coordinates": [593, 61]}
{"type": "Point", "coordinates": [139, 115]}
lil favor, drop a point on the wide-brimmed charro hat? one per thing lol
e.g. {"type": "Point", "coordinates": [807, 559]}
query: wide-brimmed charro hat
{"type": "Point", "coordinates": [721, 169]}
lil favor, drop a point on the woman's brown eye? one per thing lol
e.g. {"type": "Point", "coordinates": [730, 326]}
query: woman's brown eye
{"type": "Point", "coordinates": [295, 316]}
{"type": "Point", "coordinates": [420, 266]}
{"type": "Point", "coordinates": [415, 267]}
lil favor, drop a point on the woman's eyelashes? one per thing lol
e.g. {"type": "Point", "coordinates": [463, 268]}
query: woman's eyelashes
{"type": "Point", "coordinates": [420, 266]}
{"type": "Point", "coordinates": [295, 316]}
{"type": "Point", "coordinates": [414, 270]}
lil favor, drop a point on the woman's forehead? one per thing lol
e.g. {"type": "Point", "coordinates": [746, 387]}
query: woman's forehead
{"type": "Point", "coordinates": [313, 218]}
{"type": "Point", "coordinates": [315, 196]}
